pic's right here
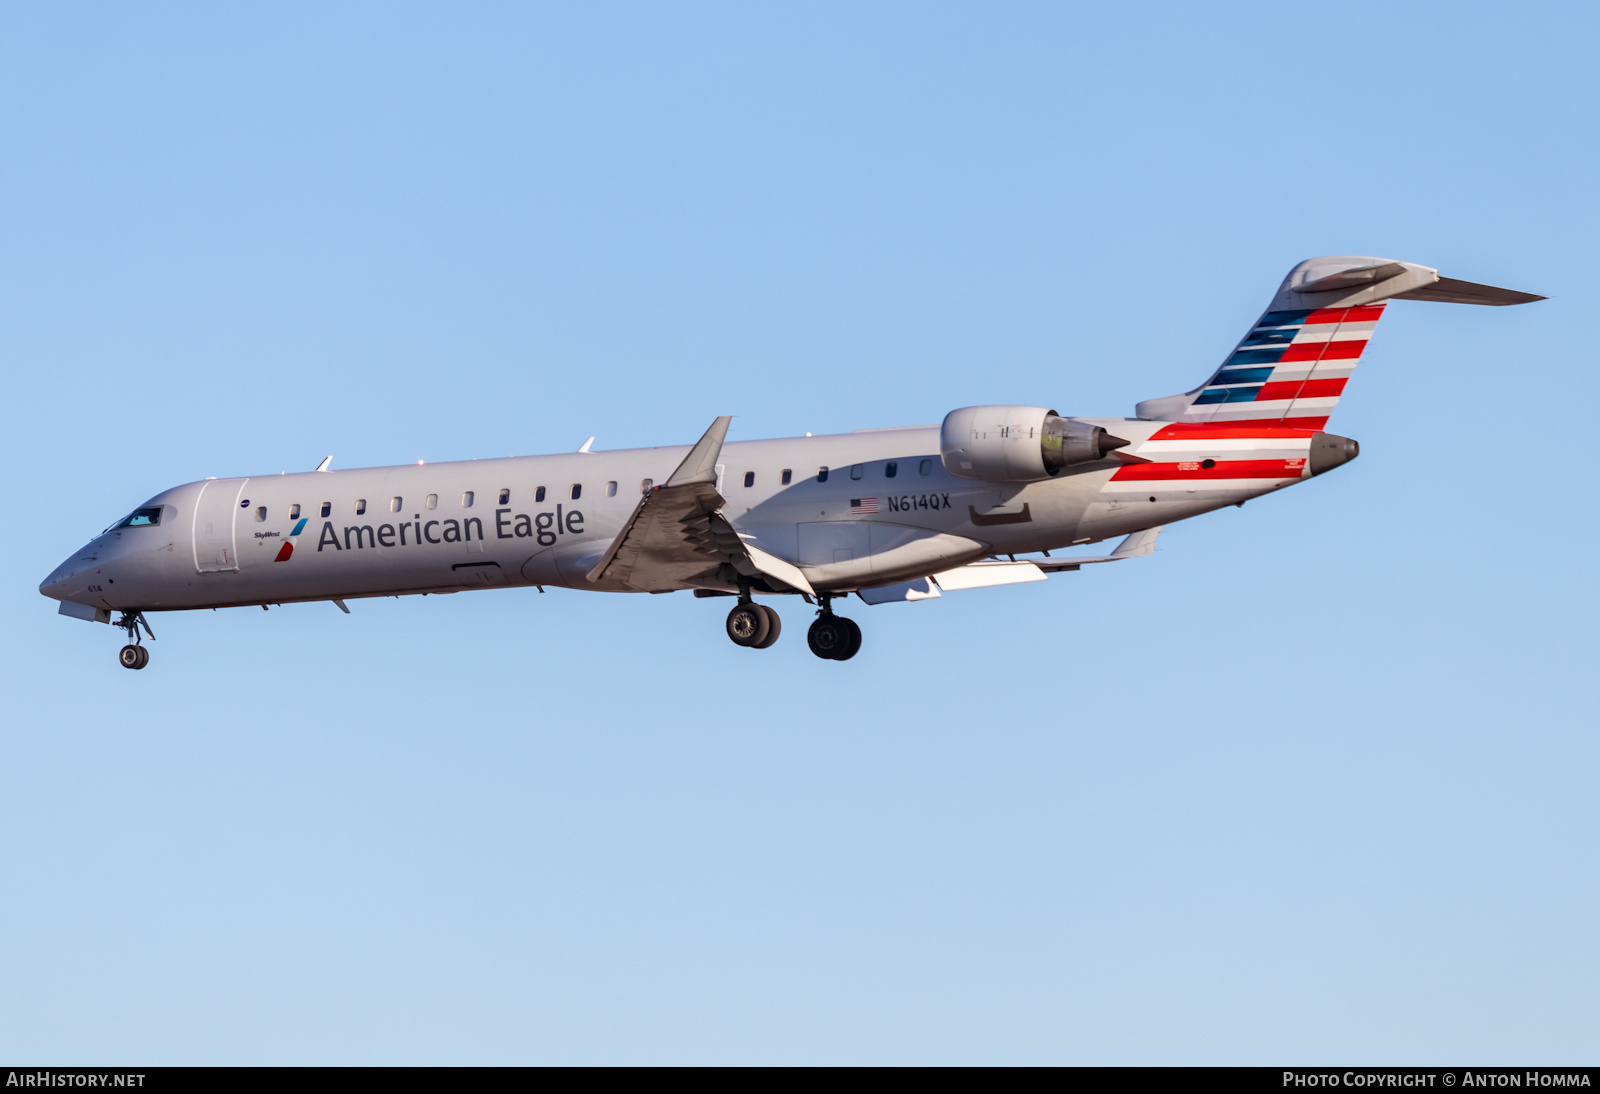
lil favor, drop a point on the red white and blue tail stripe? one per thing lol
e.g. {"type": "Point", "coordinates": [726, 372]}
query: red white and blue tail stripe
{"type": "Point", "coordinates": [1289, 370]}
{"type": "Point", "coordinates": [1254, 425]}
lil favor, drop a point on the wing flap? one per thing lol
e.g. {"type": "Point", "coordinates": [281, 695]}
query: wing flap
{"type": "Point", "coordinates": [981, 575]}
{"type": "Point", "coordinates": [773, 566]}
{"type": "Point", "coordinates": [665, 543]}
{"type": "Point", "coordinates": [677, 537]}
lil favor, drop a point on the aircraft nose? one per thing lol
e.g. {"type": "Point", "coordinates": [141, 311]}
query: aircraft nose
{"type": "Point", "coordinates": [59, 585]}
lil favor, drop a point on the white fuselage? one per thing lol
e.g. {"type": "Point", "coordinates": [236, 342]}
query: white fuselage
{"type": "Point", "coordinates": [888, 511]}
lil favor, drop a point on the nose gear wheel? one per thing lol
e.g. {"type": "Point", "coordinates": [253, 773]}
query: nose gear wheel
{"type": "Point", "coordinates": [134, 655]}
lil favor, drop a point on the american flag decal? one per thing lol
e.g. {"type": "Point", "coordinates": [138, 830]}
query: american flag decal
{"type": "Point", "coordinates": [863, 506]}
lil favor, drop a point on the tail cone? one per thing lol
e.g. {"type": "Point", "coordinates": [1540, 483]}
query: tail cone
{"type": "Point", "coordinates": [1329, 450]}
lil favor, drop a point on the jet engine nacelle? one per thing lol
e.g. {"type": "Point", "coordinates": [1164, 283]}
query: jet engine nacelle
{"type": "Point", "coordinates": [1018, 443]}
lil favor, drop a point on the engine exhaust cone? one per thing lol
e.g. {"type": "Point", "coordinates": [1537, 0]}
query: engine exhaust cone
{"type": "Point", "coordinates": [1108, 443]}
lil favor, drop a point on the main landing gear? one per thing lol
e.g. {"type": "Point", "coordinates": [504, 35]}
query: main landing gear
{"type": "Point", "coordinates": [754, 625]}
{"type": "Point", "coordinates": [833, 637]}
{"type": "Point", "coordinates": [134, 655]}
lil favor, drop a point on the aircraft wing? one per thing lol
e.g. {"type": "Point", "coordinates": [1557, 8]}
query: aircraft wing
{"type": "Point", "coordinates": [980, 575]}
{"type": "Point", "coordinates": [678, 538]}
{"type": "Point", "coordinates": [1135, 546]}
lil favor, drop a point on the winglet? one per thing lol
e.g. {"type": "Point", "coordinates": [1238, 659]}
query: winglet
{"type": "Point", "coordinates": [1138, 545]}
{"type": "Point", "coordinates": [700, 465]}
{"type": "Point", "coordinates": [323, 466]}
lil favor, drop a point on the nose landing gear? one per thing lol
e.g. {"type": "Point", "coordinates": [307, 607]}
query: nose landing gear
{"type": "Point", "coordinates": [833, 637]}
{"type": "Point", "coordinates": [134, 655]}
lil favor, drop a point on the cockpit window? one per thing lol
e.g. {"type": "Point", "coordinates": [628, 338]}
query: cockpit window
{"type": "Point", "coordinates": [142, 518]}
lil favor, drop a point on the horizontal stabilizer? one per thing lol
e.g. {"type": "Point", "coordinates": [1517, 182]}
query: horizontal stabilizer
{"type": "Point", "coordinates": [1447, 290]}
{"type": "Point", "coordinates": [1292, 366]}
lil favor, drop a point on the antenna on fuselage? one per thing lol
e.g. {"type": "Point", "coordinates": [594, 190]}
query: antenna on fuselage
{"type": "Point", "coordinates": [584, 447]}
{"type": "Point", "coordinates": [323, 466]}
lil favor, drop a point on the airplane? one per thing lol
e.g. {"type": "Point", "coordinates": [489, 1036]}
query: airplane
{"type": "Point", "coordinates": [889, 515]}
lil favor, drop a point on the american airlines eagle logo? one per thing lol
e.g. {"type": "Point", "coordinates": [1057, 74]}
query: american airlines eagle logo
{"type": "Point", "coordinates": [287, 549]}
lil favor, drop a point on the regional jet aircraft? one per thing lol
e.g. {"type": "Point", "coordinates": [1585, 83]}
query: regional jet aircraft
{"type": "Point", "coordinates": [885, 514]}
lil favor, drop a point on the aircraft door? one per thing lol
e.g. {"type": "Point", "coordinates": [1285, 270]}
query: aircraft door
{"type": "Point", "coordinates": [216, 512]}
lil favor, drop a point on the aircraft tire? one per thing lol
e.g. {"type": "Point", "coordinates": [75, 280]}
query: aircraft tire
{"type": "Point", "coordinates": [828, 637]}
{"type": "Point", "coordinates": [133, 657]}
{"type": "Point", "coordinates": [774, 627]}
{"type": "Point", "coordinates": [853, 640]}
{"type": "Point", "coordinates": [748, 624]}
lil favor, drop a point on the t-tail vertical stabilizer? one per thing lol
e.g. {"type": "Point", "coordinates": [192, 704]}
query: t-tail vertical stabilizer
{"type": "Point", "coordinates": [1292, 366]}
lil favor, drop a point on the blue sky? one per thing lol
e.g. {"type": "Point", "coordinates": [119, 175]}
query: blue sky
{"type": "Point", "coordinates": [1313, 783]}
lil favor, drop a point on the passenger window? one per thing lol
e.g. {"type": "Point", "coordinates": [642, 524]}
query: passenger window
{"type": "Point", "coordinates": [538, 495]}
{"type": "Point", "coordinates": [294, 511]}
{"type": "Point", "coordinates": [433, 501]}
{"type": "Point", "coordinates": [577, 490]}
{"type": "Point", "coordinates": [822, 474]}
{"type": "Point", "coordinates": [141, 518]}
{"type": "Point", "coordinates": [505, 497]}
{"type": "Point", "coordinates": [466, 500]}
{"type": "Point", "coordinates": [855, 471]}
{"type": "Point", "coordinates": [890, 469]}
{"type": "Point", "coordinates": [261, 513]}
{"type": "Point", "coordinates": [749, 479]}
{"type": "Point", "coordinates": [646, 485]}
{"type": "Point", "coordinates": [361, 506]}
{"type": "Point", "coordinates": [394, 505]}
{"type": "Point", "coordinates": [925, 467]}
{"type": "Point", "coordinates": [788, 474]}
{"type": "Point", "coordinates": [611, 489]}
{"type": "Point", "coordinates": [327, 508]}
